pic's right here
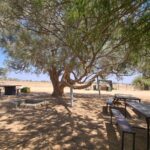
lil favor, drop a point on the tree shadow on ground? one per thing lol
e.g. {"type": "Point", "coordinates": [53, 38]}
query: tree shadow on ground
{"type": "Point", "coordinates": [47, 129]}
{"type": "Point", "coordinates": [111, 134]}
{"type": "Point", "coordinates": [114, 133]}
{"type": "Point", "coordinates": [101, 97]}
{"type": "Point", "coordinates": [51, 127]}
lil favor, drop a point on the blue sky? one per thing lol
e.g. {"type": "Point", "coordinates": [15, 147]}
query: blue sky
{"type": "Point", "coordinates": [44, 77]}
{"type": "Point", "coordinates": [22, 75]}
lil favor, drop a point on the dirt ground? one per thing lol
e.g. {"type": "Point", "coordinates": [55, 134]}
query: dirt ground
{"type": "Point", "coordinates": [53, 126]}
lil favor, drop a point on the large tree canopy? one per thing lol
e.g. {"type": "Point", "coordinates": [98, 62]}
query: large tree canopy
{"type": "Point", "coordinates": [2, 72]}
{"type": "Point", "coordinates": [74, 41]}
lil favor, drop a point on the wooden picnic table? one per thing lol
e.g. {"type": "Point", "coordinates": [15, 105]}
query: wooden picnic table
{"type": "Point", "coordinates": [125, 97]}
{"type": "Point", "coordinates": [144, 110]}
{"type": "Point", "coordinates": [10, 89]}
{"type": "Point", "coordinates": [121, 98]}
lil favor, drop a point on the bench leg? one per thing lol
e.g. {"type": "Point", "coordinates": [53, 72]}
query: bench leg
{"type": "Point", "coordinates": [122, 142]}
{"type": "Point", "coordinates": [133, 142]}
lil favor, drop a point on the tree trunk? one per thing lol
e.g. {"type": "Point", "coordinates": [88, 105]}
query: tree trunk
{"type": "Point", "coordinates": [58, 88]}
{"type": "Point", "coordinates": [57, 91]}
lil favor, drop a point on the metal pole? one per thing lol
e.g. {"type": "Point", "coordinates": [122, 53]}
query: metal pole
{"type": "Point", "coordinates": [71, 96]}
{"type": "Point", "coordinates": [98, 87]}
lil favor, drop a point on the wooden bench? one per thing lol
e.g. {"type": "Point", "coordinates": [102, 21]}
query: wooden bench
{"type": "Point", "coordinates": [123, 125]}
{"type": "Point", "coordinates": [111, 102]}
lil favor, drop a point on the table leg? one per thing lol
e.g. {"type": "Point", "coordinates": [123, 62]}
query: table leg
{"type": "Point", "coordinates": [133, 146]}
{"type": "Point", "coordinates": [147, 121]}
{"type": "Point", "coordinates": [122, 141]}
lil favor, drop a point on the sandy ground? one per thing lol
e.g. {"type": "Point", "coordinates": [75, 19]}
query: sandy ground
{"type": "Point", "coordinates": [47, 87]}
{"type": "Point", "coordinates": [53, 126]}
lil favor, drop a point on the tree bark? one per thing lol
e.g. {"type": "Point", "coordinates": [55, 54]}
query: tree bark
{"type": "Point", "coordinates": [58, 91]}
{"type": "Point", "coordinates": [58, 88]}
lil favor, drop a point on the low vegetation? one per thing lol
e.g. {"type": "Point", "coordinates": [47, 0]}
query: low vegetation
{"type": "Point", "coordinates": [25, 90]}
{"type": "Point", "coordinates": [142, 83]}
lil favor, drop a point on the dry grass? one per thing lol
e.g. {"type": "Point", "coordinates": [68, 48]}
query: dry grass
{"type": "Point", "coordinates": [53, 127]}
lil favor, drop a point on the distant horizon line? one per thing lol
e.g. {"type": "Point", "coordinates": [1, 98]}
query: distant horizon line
{"type": "Point", "coordinates": [9, 79]}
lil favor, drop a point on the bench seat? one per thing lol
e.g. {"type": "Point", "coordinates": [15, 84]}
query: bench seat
{"type": "Point", "coordinates": [121, 121]}
{"type": "Point", "coordinates": [123, 124]}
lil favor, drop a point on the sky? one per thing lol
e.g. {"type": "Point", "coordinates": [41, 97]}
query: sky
{"type": "Point", "coordinates": [45, 77]}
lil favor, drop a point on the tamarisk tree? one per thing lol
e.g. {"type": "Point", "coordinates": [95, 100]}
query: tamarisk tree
{"type": "Point", "coordinates": [74, 41]}
{"type": "Point", "coordinates": [3, 72]}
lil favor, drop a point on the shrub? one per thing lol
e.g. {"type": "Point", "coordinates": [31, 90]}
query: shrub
{"type": "Point", "coordinates": [25, 90]}
{"type": "Point", "coordinates": [142, 83]}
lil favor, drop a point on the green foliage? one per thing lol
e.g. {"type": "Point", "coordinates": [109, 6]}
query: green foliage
{"type": "Point", "coordinates": [3, 72]}
{"type": "Point", "coordinates": [76, 41]}
{"type": "Point", "coordinates": [142, 83]}
{"type": "Point", "coordinates": [25, 90]}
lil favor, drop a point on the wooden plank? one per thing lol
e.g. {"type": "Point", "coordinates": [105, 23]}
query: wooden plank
{"type": "Point", "coordinates": [122, 122]}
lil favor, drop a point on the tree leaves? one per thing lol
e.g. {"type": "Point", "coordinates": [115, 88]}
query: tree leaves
{"type": "Point", "coordinates": [82, 37]}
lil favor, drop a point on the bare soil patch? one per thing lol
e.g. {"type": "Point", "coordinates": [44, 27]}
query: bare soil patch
{"type": "Point", "coordinates": [85, 126]}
